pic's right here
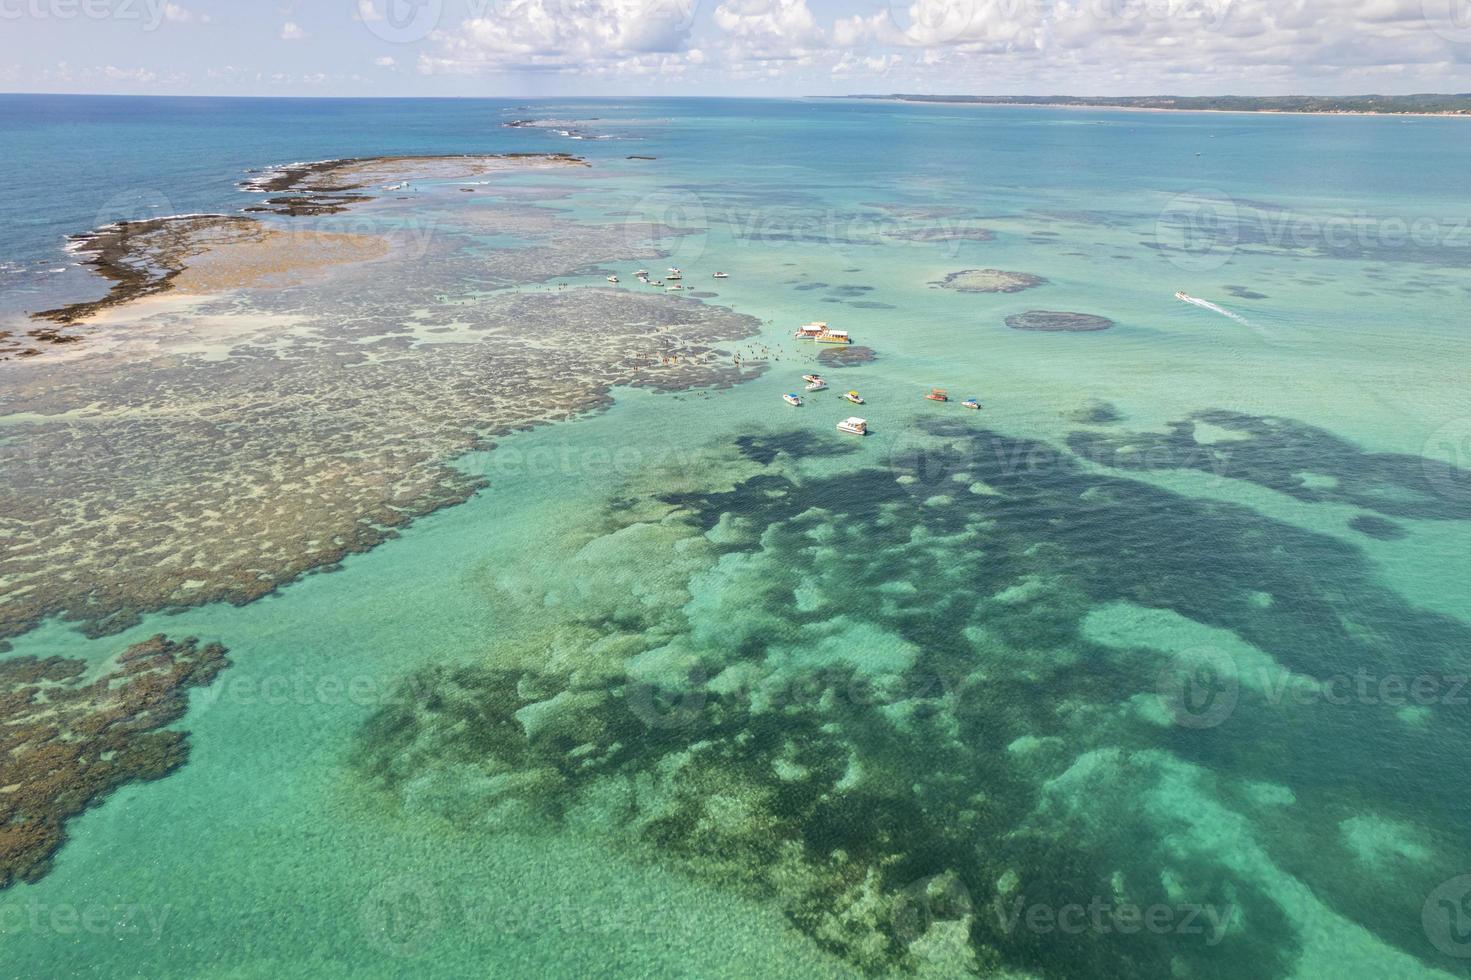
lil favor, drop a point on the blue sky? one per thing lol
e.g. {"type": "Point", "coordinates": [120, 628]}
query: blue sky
{"type": "Point", "coordinates": [733, 47]}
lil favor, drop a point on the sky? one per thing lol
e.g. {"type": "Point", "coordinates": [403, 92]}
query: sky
{"type": "Point", "coordinates": [528, 48]}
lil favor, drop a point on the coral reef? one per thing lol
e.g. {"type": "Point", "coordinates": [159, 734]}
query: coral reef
{"type": "Point", "coordinates": [989, 281]}
{"type": "Point", "coordinates": [68, 741]}
{"type": "Point", "coordinates": [1054, 321]}
{"type": "Point", "coordinates": [142, 258]}
{"type": "Point", "coordinates": [332, 186]}
{"type": "Point", "coordinates": [697, 684]}
{"type": "Point", "coordinates": [848, 355]}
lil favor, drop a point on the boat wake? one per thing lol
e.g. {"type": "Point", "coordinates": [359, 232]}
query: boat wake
{"type": "Point", "coordinates": [1206, 304]}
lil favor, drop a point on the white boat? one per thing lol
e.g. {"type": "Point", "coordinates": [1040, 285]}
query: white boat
{"type": "Point", "coordinates": [854, 426]}
{"type": "Point", "coordinates": [811, 378]}
{"type": "Point", "coordinates": [854, 397]}
{"type": "Point", "coordinates": [810, 331]}
{"type": "Point", "coordinates": [720, 275]}
{"type": "Point", "coordinates": [817, 386]}
{"type": "Point", "coordinates": [971, 403]}
{"type": "Point", "coordinates": [674, 274]}
{"type": "Point", "coordinates": [792, 399]}
{"type": "Point", "coordinates": [612, 278]}
{"type": "Point", "coordinates": [674, 288]}
{"type": "Point", "coordinates": [642, 272]}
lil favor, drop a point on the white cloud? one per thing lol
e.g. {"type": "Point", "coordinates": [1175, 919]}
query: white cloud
{"type": "Point", "coordinates": [563, 35]}
{"type": "Point", "coordinates": [387, 61]}
{"type": "Point", "coordinates": [176, 14]}
{"type": "Point", "coordinates": [368, 13]}
{"type": "Point", "coordinates": [1134, 46]}
{"type": "Point", "coordinates": [290, 31]}
{"type": "Point", "coordinates": [761, 31]}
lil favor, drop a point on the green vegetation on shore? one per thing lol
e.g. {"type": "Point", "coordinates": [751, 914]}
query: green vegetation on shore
{"type": "Point", "coordinates": [1426, 103]}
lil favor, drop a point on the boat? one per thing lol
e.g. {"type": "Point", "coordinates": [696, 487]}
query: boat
{"type": "Point", "coordinates": [810, 331]}
{"type": "Point", "coordinates": [817, 386]}
{"type": "Point", "coordinates": [938, 395]}
{"type": "Point", "coordinates": [971, 403]}
{"type": "Point", "coordinates": [721, 275]}
{"type": "Point", "coordinates": [812, 378]}
{"type": "Point", "coordinates": [1184, 297]}
{"type": "Point", "coordinates": [674, 274]}
{"type": "Point", "coordinates": [675, 287]}
{"type": "Point", "coordinates": [854, 426]}
{"type": "Point", "coordinates": [834, 337]}
{"type": "Point", "coordinates": [854, 397]}
{"type": "Point", "coordinates": [643, 273]}
{"type": "Point", "coordinates": [612, 278]}
{"type": "Point", "coordinates": [792, 399]}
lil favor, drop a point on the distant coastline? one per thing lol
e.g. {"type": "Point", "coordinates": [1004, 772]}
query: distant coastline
{"type": "Point", "coordinates": [1347, 105]}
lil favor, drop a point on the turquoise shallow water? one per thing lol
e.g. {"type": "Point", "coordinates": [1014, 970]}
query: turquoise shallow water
{"type": "Point", "coordinates": [837, 705]}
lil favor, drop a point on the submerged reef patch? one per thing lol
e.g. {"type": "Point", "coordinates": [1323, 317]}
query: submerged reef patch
{"type": "Point", "coordinates": [67, 741]}
{"type": "Point", "coordinates": [1054, 321]}
{"type": "Point", "coordinates": [989, 281]}
{"type": "Point", "coordinates": [1291, 457]}
{"type": "Point", "coordinates": [847, 355]}
{"type": "Point", "coordinates": [870, 698]}
{"type": "Point", "coordinates": [191, 480]}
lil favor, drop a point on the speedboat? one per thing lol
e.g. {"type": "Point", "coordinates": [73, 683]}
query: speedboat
{"type": "Point", "coordinates": [612, 278]}
{"type": "Point", "coordinates": [643, 273]}
{"type": "Point", "coordinates": [674, 274]}
{"type": "Point", "coordinates": [792, 399]}
{"type": "Point", "coordinates": [971, 403]}
{"type": "Point", "coordinates": [720, 275]}
{"type": "Point", "coordinates": [674, 288]}
{"type": "Point", "coordinates": [854, 397]}
{"type": "Point", "coordinates": [938, 395]}
{"type": "Point", "coordinates": [812, 378]}
{"type": "Point", "coordinates": [854, 426]}
{"type": "Point", "coordinates": [817, 386]}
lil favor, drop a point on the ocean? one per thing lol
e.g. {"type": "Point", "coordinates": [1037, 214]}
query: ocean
{"type": "Point", "coordinates": [1154, 665]}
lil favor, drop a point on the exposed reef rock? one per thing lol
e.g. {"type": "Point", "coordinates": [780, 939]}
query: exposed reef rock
{"type": "Point", "coordinates": [1053, 321]}
{"type": "Point", "coordinates": [67, 740]}
{"type": "Point", "coordinates": [989, 281]}
{"type": "Point", "coordinates": [332, 186]}
{"type": "Point", "coordinates": [142, 258]}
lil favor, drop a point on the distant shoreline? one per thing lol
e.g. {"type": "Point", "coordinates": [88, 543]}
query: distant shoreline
{"type": "Point", "coordinates": [1122, 107]}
